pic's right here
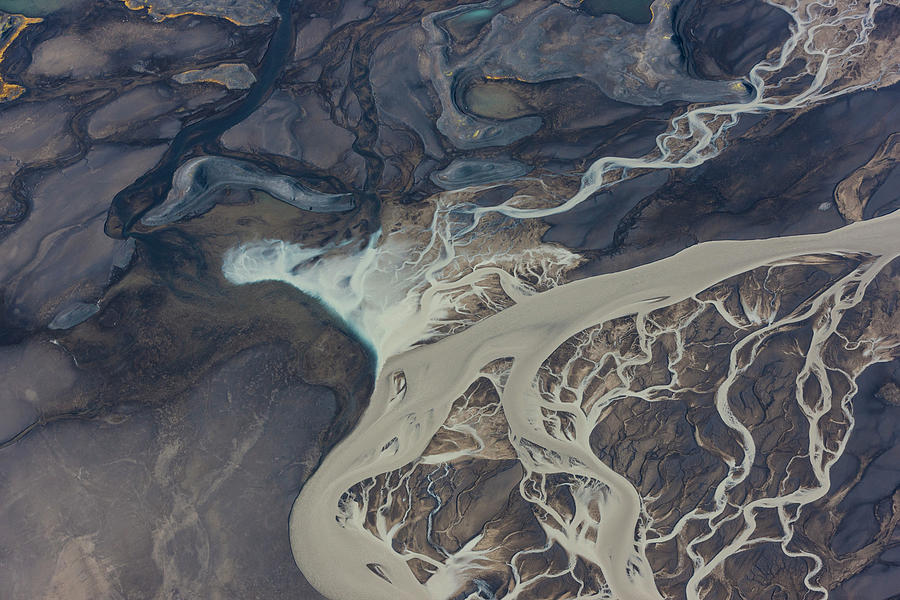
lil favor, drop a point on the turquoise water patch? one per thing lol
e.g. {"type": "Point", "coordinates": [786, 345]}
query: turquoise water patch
{"type": "Point", "coordinates": [466, 25]}
{"type": "Point", "coordinates": [36, 8]}
{"type": "Point", "coordinates": [476, 16]}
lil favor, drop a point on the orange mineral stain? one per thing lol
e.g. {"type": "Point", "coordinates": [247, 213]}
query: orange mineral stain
{"type": "Point", "coordinates": [10, 28]}
{"type": "Point", "coordinates": [160, 16]}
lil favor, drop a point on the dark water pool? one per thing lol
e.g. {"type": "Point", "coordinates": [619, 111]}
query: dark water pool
{"type": "Point", "coordinates": [633, 11]}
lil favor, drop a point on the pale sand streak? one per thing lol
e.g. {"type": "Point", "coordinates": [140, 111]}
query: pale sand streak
{"type": "Point", "coordinates": [334, 558]}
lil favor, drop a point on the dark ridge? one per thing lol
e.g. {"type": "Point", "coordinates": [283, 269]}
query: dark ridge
{"type": "Point", "coordinates": [723, 40]}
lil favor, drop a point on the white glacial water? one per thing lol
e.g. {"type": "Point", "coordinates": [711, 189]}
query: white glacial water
{"type": "Point", "coordinates": [396, 292]}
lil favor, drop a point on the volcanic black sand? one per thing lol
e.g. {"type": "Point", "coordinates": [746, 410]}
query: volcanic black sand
{"type": "Point", "coordinates": [231, 232]}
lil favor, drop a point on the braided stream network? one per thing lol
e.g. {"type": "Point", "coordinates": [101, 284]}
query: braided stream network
{"type": "Point", "coordinates": [485, 357]}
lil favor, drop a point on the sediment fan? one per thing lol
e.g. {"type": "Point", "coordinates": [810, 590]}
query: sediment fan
{"type": "Point", "coordinates": [480, 300]}
{"type": "Point", "coordinates": [519, 374]}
